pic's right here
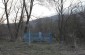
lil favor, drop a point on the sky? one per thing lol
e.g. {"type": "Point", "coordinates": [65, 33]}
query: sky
{"type": "Point", "coordinates": [49, 10]}
{"type": "Point", "coordinates": [41, 11]}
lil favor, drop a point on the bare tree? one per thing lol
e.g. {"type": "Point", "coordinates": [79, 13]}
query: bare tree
{"type": "Point", "coordinates": [28, 14]}
{"type": "Point", "coordinates": [59, 8]}
{"type": "Point", "coordinates": [23, 9]}
{"type": "Point", "coordinates": [7, 12]}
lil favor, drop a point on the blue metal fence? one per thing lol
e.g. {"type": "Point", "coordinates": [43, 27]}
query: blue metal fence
{"type": "Point", "coordinates": [38, 37]}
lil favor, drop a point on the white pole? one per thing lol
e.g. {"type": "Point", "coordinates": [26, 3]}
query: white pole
{"type": "Point", "coordinates": [40, 35]}
{"type": "Point", "coordinates": [29, 38]}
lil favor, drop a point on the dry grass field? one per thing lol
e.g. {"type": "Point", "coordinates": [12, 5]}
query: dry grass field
{"type": "Point", "coordinates": [22, 48]}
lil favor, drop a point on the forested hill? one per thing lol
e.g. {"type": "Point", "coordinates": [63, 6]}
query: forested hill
{"type": "Point", "coordinates": [73, 23]}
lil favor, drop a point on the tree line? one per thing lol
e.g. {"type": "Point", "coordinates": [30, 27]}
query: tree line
{"type": "Point", "coordinates": [68, 24]}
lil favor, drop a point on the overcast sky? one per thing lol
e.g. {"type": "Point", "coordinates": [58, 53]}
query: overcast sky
{"type": "Point", "coordinates": [41, 11]}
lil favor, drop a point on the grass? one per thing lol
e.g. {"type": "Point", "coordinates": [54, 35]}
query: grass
{"type": "Point", "coordinates": [22, 48]}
